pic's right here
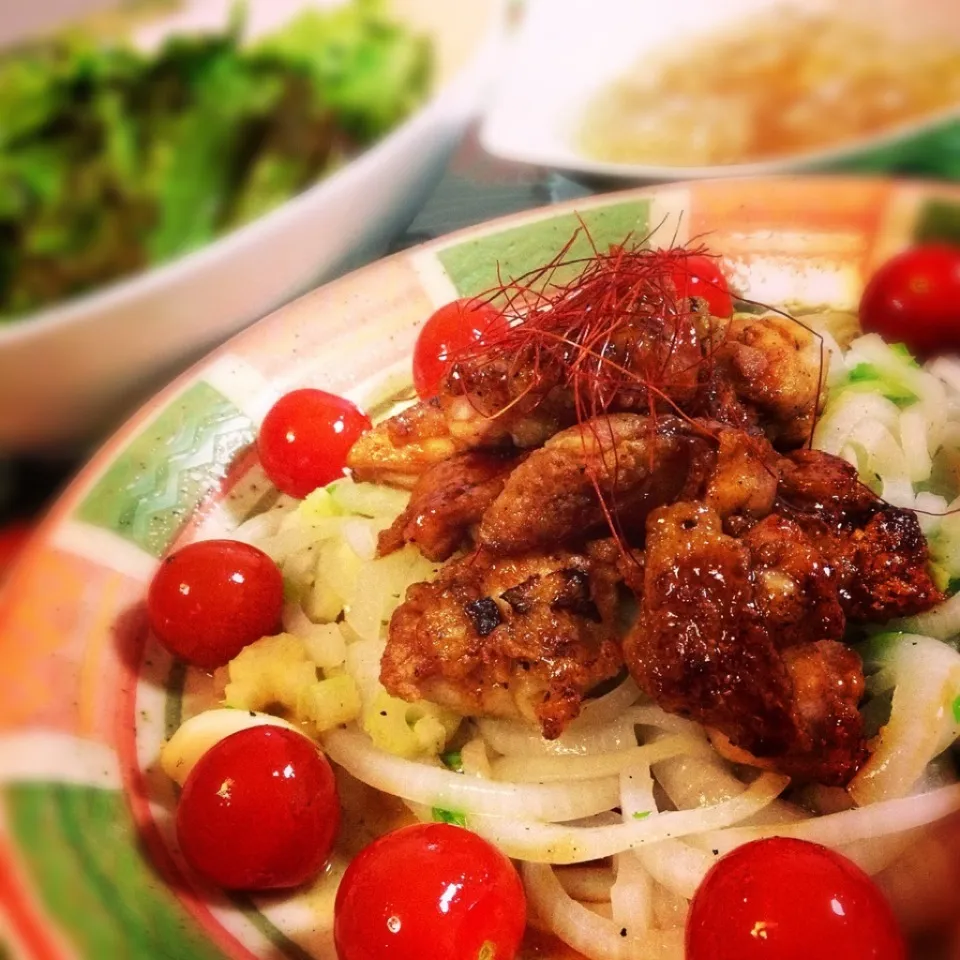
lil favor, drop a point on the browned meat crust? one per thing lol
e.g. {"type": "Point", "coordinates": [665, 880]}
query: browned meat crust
{"type": "Point", "coordinates": [447, 500]}
{"type": "Point", "coordinates": [634, 462]}
{"type": "Point", "coordinates": [398, 450]}
{"type": "Point", "coordinates": [744, 482]}
{"type": "Point", "coordinates": [524, 638]}
{"type": "Point", "coordinates": [710, 643]}
{"type": "Point", "coordinates": [746, 563]}
{"type": "Point", "coordinates": [759, 374]}
{"type": "Point", "coordinates": [878, 552]}
{"type": "Point", "coordinates": [773, 365]}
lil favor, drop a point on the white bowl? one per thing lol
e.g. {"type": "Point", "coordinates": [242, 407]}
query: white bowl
{"type": "Point", "coordinates": [68, 372]}
{"type": "Point", "coordinates": [567, 51]}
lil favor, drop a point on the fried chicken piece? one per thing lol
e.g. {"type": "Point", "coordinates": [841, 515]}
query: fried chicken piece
{"type": "Point", "coordinates": [879, 552]}
{"type": "Point", "coordinates": [521, 638]}
{"type": "Point", "coordinates": [717, 401]}
{"type": "Point", "coordinates": [813, 483]}
{"type": "Point", "coordinates": [748, 373]}
{"type": "Point", "coordinates": [795, 591]}
{"type": "Point", "coordinates": [505, 400]}
{"type": "Point", "coordinates": [816, 670]}
{"type": "Point", "coordinates": [398, 450]}
{"type": "Point", "coordinates": [744, 481]}
{"type": "Point", "coordinates": [531, 395]}
{"type": "Point", "coordinates": [447, 500]}
{"type": "Point", "coordinates": [711, 643]}
{"type": "Point", "coordinates": [635, 462]}
{"type": "Point", "coordinates": [774, 365]}
{"type": "Point", "coordinates": [496, 401]}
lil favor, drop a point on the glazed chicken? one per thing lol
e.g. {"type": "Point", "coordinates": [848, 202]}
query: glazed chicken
{"type": "Point", "coordinates": [879, 552]}
{"type": "Point", "coordinates": [742, 635]}
{"type": "Point", "coordinates": [448, 500]}
{"type": "Point", "coordinates": [773, 367]}
{"type": "Point", "coordinates": [625, 462]}
{"type": "Point", "coordinates": [398, 450]}
{"type": "Point", "coordinates": [523, 638]}
{"type": "Point", "coordinates": [759, 374]}
{"type": "Point", "coordinates": [742, 558]}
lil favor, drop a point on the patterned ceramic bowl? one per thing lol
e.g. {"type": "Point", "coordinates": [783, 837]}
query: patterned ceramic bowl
{"type": "Point", "coordinates": [88, 864]}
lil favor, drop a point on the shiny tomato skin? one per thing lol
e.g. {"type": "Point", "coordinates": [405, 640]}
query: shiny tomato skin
{"type": "Point", "coordinates": [429, 890]}
{"type": "Point", "coordinates": [305, 438]}
{"type": "Point", "coordinates": [259, 811]}
{"type": "Point", "coordinates": [210, 599]}
{"type": "Point", "coordinates": [786, 899]}
{"type": "Point", "coordinates": [700, 276]}
{"type": "Point", "coordinates": [453, 327]}
{"type": "Point", "coordinates": [914, 298]}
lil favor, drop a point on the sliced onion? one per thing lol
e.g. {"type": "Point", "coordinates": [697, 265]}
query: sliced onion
{"type": "Point", "coordinates": [525, 839]}
{"type": "Point", "coordinates": [608, 707]}
{"type": "Point", "coordinates": [885, 456]}
{"type": "Point", "coordinates": [258, 528]}
{"type": "Point", "coordinates": [948, 370]}
{"type": "Point", "coordinates": [914, 428]}
{"type": "Point", "coordinates": [694, 782]}
{"type": "Point", "coordinates": [636, 791]}
{"type": "Point", "coordinates": [631, 901]}
{"type": "Point", "coordinates": [873, 349]}
{"type": "Point", "coordinates": [942, 622]}
{"type": "Point", "coordinates": [669, 909]}
{"type": "Point", "coordinates": [515, 739]}
{"type": "Point", "coordinates": [926, 673]}
{"type": "Point", "coordinates": [474, 759]}
{"type": "Point", "coordinates": [834, 429]}
{"type": "Point", "coordinates": [676, 865]}
{"type": "Point", "coordinates": [876, 854]}
{"type": "Point", "coordinates": [361, 536]}
{"type": "Point", "coordinates": [654, 716]}
{"type": "Point", "coordinates": [521, 769]}
{"type": "Point", "coordinates": [839, 829]}
{"type": "Point", "coordinates": [471, 796]}
{"type": "Point", "coordinates": [591, 884]}
{"type": "Point", "coordinates": [631, 895]}
{"type": "Point", "coordinates": [294, 537]}
{"type": "Point", "coordinates": [592, 935]}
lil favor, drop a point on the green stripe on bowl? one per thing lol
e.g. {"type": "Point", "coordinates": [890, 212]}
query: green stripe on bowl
{"type": "Point", "coordinates": [472, 265]}
{"type": "Point", "coordinates": [938, 221]}
{"type": "Point", "coordinates": [81, 849]}
{"type": "Point", "coordinates": [151, 488]}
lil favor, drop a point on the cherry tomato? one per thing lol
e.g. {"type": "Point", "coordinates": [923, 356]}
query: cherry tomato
{"type": "Point", "coordinates": [259, 811]}
{"type": "Point", "coordinates": [699, 276]}
{"type": "Point", "coordinates": [784, 899]}
{"type": "Point", "coordinates": [210, 599]}
{"type": "Point", "coordinates": [429, 890]}
{"type": "Point", "coordinates": [305, 439]}
{"type": "Point", "coordinates": [453, 327]}
{"type": "Point", "coordinates": [914, 298]}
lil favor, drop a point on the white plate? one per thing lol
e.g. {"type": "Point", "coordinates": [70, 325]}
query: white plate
{"type": "Point", "coordinates": [567, 51]}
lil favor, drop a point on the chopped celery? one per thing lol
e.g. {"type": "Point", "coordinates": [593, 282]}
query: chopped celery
{"type": "Point", "coordinates": [449, 816]}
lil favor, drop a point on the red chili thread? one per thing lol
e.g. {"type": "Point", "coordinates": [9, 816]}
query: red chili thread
{"type": "Point", "coordinates": [565, 334]}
